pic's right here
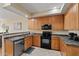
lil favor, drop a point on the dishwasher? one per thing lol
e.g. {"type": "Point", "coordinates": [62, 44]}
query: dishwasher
{"type": "Point", "coordinates": [18, 47]}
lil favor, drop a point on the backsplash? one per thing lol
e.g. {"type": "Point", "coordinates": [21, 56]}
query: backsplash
{"type": "Point", "coordinates": [60, 32]}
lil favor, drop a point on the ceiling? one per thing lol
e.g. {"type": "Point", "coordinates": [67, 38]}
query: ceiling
{"type": "Point", "coordinates": [37, 9]}
{"type": "Point", "coordinates": [6, 14]}
{"type": "Point", "coordinates": [40, 7]}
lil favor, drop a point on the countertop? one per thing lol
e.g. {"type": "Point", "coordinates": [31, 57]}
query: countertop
{"type": "Point", "coordinates": [15, 37]}
{"type": "Point", "coordinates": [63, 37]}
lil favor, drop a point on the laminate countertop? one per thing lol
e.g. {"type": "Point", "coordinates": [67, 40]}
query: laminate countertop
{"type": "Point", "coordinates": [65, 38]}
{"type": "Point", "coordinates": [16, 37]}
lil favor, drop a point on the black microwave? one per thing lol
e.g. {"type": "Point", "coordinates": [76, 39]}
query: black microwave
{"type": "Point", "coordinates": [46, 27]}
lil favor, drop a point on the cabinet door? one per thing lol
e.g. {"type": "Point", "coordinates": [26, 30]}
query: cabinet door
{"type": "Point", "coordinates": [8, 48]}
{"type": "Point", "coordinates": [71, 18]}
{"type": "Point", "coordinates": [72, 50]}
{"type": "Point", "coordinates": [62, 47]}
{"type": "Point", "coordinates": [65, 50]}
{"type": "Point", "coordinates": [36, 40]}
{"type": "Point", "coordinates": [55, 43]}
{"type": "Point", "coordinates": [27, 42]}
{"type": "Point", "coordinates": [30, 41]}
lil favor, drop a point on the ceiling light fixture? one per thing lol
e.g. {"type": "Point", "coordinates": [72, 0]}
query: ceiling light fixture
{"type": "Point", "coordinates": [54, 8]}
{"type": "Point", "coordinates": [33, 19]}
{"type": "Point", "coordinates": [26, 16]}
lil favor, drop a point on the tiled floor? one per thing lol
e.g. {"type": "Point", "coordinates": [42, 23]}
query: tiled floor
{"type": "Point", "coordinates": [0, 51]}
{"type": "Point", "coordinates": [41, 52]}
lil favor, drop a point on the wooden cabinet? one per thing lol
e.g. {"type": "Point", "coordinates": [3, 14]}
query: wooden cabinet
{"type": "Point", "coordinates": [63, 48]}
{"type": "Point", "coordinates": [68, 50]}
{"type": "Point", "coordinates": [12, 46]}
{"type": "Point", "coordinates": [71, 18]}
{"type": "Point", "coordinates": [57, 22]}
{"type": "Point", "coordinates": [8, 47]}
{"type": "Point", "coordinates": [27, 42]}
{"type": "Point", "coordinates": [55, 43]}
{"type": "Point", "coordinates": [36, 40]}
{"type": "Point", "coordinates": [72, 50]}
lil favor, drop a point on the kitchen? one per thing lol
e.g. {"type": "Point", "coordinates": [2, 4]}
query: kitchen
{"type": "Point", "coordinates": [50, 29]}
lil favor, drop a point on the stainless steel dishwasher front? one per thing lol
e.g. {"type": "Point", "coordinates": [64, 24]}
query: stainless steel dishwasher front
{"type": "Point", "coordinates": [18, 47]}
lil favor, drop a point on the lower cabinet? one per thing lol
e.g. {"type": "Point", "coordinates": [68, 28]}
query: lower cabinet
{"type": "Point", "coordinates": [55, 43]}
{"type": "Point", "coordinates": [13, 48]}
{"type": "Point", "coordinates": [16, 48]}
{"type": "Point", "coordinates": [36, 40]}
{"type": "Point", "coordinates": [8, 47]}
{"type": "Point", "coordinates": [68, 50]}
{"type": "Point", "coordinates": [27, 42]}
{"type": "Point", "coordinates": [73, 50]}
{"type": "Point", "coordinates": [63, 48]}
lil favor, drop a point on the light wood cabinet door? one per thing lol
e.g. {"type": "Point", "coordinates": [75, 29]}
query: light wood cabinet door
{"type": "Point", "coordinates": [57, 22]}
{"type": "Point", "coordinates": [55, 43]}
{"type": "Point", "coordinates": [68, 50]}
{"type": "Point", "coordinates": [36, 40]}
{"type": "Point", "coordinates": [27, 42]}
{"type": "Point", "coordinates": [63, 48]}
{"type": "Point", "coordinates": [71, 18]}
{"type": "Point", "coordinates": [72, 50]}
{"type": "Point", "coordinates": [8, 47]}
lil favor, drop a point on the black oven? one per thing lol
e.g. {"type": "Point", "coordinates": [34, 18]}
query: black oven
{"type": "Point", "coordinates": [46, 39]}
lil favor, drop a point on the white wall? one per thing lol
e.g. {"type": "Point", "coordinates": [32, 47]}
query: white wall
{"type": "Point", "coordinates": [10, 18]}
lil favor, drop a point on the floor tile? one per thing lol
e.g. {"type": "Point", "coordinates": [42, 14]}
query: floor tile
{"type": "Point", "coordinates": [42, 52]}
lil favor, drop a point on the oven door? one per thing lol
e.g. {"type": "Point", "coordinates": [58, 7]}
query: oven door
{"type": "Point", "coordinates": [46, 43]}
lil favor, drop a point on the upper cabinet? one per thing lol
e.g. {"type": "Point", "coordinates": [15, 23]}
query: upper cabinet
{"type": "Point", "coordinates": [71, 21]}
{"type": "Point", "coordinates": [57, 22]}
